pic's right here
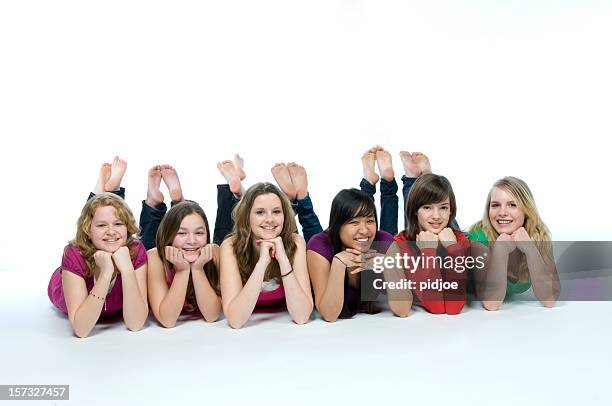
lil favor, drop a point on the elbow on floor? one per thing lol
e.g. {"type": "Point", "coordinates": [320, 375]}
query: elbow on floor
{"type": "Point", "coordinates": [491, 306]}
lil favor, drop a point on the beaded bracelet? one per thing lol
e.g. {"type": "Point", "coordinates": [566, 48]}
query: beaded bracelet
{"type": "Point", "coordinates": [97, 297]}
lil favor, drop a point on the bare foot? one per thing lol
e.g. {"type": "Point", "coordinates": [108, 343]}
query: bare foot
{"type": "Point", "coordinates": [411, 168]}
{"type": "Point", "coordinates": [422, 161]}
{"type": "Point", "coordinates": [385, 165]}
{"type": "Point", "coordinates": [299, 179]}
{"type": "Point", "coordinates": [118, 168]}
{"type": "Point", "coordinates": [154, 195]}
{"type": "Point", "coordinates": [231, 174]}
{"type": "Point", "coordinates": [368, 161]}
{"type": "Point", "coordinates": [283, 178]}
{"type": "Point", "coordinates": [105, 171]}
{"type": "Point", "coordinates": [172, 182]}
{"type": "Point", "coordinates": [239, 163]}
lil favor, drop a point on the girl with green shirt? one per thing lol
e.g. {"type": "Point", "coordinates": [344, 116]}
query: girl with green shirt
{"type": "Point", "coordinates": [517, 247]}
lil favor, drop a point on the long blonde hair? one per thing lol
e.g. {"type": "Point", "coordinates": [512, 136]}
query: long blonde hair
{"type": "Point", "coordinates": [533, 224]}
{"type": "Point", "coordinates": [83, 238]}
{"type": "Point", "coordinates": [243, 239]}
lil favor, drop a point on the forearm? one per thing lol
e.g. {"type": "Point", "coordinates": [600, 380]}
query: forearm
{"type": "Point", "coordinates": [171, 306]}
{"type": "Point", "coordinates": [331, 301]}
{"type": "Point", "coordinates": [494, 283]}
{"type": "Point", "coordinates": [299, 303]}
{"type": "Point", "coordinates": [241, 307]}
{"type": "Point", "coordinates": [428, 271]}
{"type": "Point", "coordinates": [88, 313]}
{"type": "Point", "coordinates": [400, 300]}
{"type": "Point", "coordinates": [135, 307]}
{"type": "Point", "coordinates": [544, 279]}
{"type": "Point", "coordinates": [208, 301]}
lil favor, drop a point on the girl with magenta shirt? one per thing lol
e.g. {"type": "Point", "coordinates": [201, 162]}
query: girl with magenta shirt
{"type": "Point", "coordinates": [517, 244]}
{"type": "Point", "coordinates": [263, 260]}
{"type": "Point", "coordinates": [183, 264]}
{"type": "Point", "coordinates": [104, 269]}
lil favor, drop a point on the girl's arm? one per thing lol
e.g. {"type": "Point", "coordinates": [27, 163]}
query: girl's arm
{"type": "Point", "coordinates": [134, 284]}
{"type": "Point", "coordinates": [400, 301]}
{"type": "Point", "coordinates": [426, 271]}
{"type": "Point", "coordinates": [166, 304]}
{"type": "Point", "coordinates": [238, 301]}
{"type": "Point", "coordinates": [327, 283]}
{"type": "Point", "coordinates": [84, 309]}
{"type": "Point", "coordinates": [544, 278]}
{"type": "Point", "coordinates": [208, 301]}
{"type": "Point", "coordinates": [297, 283]}
{"type": "Point", "coordinates": [493, 283]}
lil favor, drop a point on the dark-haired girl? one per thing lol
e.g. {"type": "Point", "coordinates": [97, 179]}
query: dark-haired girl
{"type": "Point", "coordinates": [337, 258]}
{"type": "Point", "coordinates": [440, 250]}
{"type": "Point", "coordinates": [183, 273]}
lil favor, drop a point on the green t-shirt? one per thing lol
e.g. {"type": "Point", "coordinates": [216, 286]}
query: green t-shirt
{"type": "Point", "coordinates": [478, 235]}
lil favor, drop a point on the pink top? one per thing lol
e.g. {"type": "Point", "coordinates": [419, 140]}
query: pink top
{"type": "Point", "coordinates": [266, 298]}
{"type": "Point", "coordinates": [73, 261]}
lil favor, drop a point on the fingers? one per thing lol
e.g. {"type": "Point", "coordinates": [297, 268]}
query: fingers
{"type": "Point", "coordinates": [356, 270]}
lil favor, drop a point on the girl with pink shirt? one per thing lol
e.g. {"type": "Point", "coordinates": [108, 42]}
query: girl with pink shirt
{"type": "Point", "coordinates": [104, 268]}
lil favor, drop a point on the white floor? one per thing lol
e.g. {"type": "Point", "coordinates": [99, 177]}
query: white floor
{"type": "Point", "coordinates": [523, 354]}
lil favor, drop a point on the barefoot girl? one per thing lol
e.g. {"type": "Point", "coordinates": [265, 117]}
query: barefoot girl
{"type": "Point", "coordinates": [439, 249]}
{"type": "Point", "coordinates": [518, 245]}
{"type": "Point", "coordinates": [338, 255]}
{"type": "Point", "coordinates": [264, 258]}
{"type": "Point", "coordinates": [183, 265]}
{"type": "Point", "coordinates": [104, 269]}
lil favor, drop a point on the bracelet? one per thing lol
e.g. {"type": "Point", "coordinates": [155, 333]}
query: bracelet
{"type": "Point", "coordinates": [282, 276]}
{"type": "Point", "coordinates": [343, 263]}
{"type": "Point", "coordinates": [97, 297]}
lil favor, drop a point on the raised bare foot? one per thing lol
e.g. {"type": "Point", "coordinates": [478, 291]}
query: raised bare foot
{"type": "Point", "coordinates": [411, 168]}
{"type": "Point", "coordinates": [154, 195]}
{"type": "Point", "coordinates": [368, 161]}
{"type": "Point", "coordinates": [283, 178]}
{"type": "Point", "coordinates": [385, 165]}
{"type": "Point", "coordinates": [299, 179]}
{"type": "Point", "coordinates": [422, 161]}
{"type": "Point", "coordinates": [239, 163]}
{"type": "Point", "coordinates": [172, 182]}
{"type": "Point", "coordinates": [105, 171]}
{"type": "Point", "coordinates": [231, 174]}
{"type": "Point", "coordinates": [118, 168]}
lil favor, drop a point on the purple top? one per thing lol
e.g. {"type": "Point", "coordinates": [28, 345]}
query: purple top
{"type": "Point", "coordinates": [73, 261]}
{"type": "Point", "coordinates": [322, 245]}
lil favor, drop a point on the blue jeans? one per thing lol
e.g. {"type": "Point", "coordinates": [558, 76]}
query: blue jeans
{"type": "Point", "coordinates": [150, 217]}
{"type": "Point", "coordinates": [225, 204]}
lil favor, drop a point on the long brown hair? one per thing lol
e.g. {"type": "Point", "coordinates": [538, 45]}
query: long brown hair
{"type": "Point", "coordinates": [428, 189]}
{"type": "Point", "coordinates": [168, 228]}
{"type": "Point", "coordinates": [243, 239]}
{"type": "Point", "coordinates": [83, 237]}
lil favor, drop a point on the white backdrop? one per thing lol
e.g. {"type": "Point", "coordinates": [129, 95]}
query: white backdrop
{"type": "Point", "coordinates": [486, 88]}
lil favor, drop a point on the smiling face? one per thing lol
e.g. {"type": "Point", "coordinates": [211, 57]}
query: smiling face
{"type": "Point", "coordinates": [107, 232]}
{"type": "Point", "coordinates": [191, 236]}
{"type": "Point", "coordinates": [434, 217]}
{"type": "Point", "coordinates": [266, 217]}
{"type": "Point", "coordinates": [358, 233]}
{"type": "Point", "coordinates": [504, 214]}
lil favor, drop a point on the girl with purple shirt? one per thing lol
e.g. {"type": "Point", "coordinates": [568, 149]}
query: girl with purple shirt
{"type": "Point", "coordinates": [104, 269]}
{"type": "Point", "coordinates": [338, 256]}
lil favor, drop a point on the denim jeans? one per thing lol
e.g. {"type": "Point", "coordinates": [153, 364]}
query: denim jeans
{"type": "Point", "coordinates": [150, 217]}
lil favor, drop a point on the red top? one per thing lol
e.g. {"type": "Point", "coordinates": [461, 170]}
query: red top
{"type": "Point", "coordinates": [427, 268]}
